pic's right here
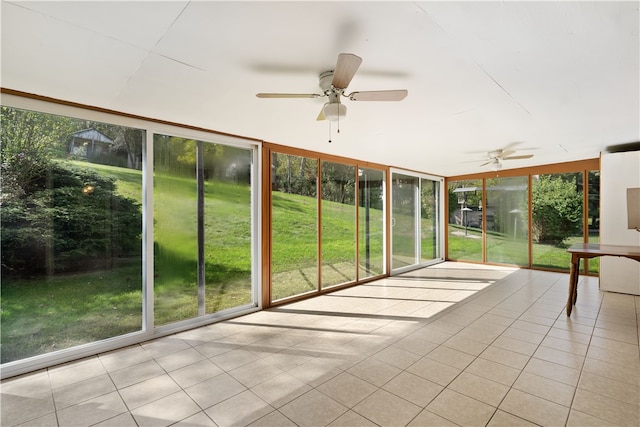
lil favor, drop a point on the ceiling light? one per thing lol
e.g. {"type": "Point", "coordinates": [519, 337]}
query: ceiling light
{"type": "Point", "coordinates": [496, 165]}
{"type": "Point", "coordinates": [334, 111]}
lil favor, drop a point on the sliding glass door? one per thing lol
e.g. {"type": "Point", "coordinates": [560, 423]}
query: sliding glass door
{"type": "Point", "coordinates": [202, 228]}
{"type": "Point", "coordinates": [416, 237]}
{"type": "Point", "coordinates": [114, 232]}
{"type": "Point", "coordinates": [466, 218]}
{"type": "Point", "coordinates": [404, 220]}
{"type": "Point", "coordinates": [371, 222]}
{"type": "Point", "coordinates": [430, 220]}
{"type": "Point", "coordinates": [507, 220]}
{"type": "Point", "coordinates": [71, 219]}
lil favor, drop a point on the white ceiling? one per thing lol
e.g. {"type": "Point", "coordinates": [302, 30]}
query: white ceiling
{"type": "Point", "coordinates": [560, 77]}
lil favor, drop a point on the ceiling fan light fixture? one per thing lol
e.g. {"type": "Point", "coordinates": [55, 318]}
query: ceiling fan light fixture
{"type": "Point", "coordinates": [335, 111]}
{"type": "Point", "coordinates": [496, 165]}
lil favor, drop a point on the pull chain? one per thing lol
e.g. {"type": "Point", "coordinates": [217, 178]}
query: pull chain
{"type": "Point", "coordinates": [329, 131]}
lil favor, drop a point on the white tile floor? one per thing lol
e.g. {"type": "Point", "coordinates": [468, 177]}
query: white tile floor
{"type": "Point", "coordinates": [454, 344]}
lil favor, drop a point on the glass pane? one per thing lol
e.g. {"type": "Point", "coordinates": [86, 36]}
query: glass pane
{"type": "Point", "coordinates": [227, 227]}
{"type": "Point", "coordinates": [593, 214]}
{"type": "Point", "coordinates": [465, 220]}
{"type": "Point", "coordinates": [507, 220]}
{"type": "Point", "coordinates": [71, 219]}
{"type": "Point", "coordinates": [371, 222]}
{"type": "Point", "coordinates": [557, 201]}
{"type": "Point", "coordinates": [175, 229]}
{"type": "Point", "coordinates": [294, 226]}
{"type": "Point", "coordinates": [202, 228]}
{"type": "Point", "coordinates": [429, 219]}
{"type": "Point", "coordinates": [338, 216]}
{"type": "Point", "coordinates": [404, 192]}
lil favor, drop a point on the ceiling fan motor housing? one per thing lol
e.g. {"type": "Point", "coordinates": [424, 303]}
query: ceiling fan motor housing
{"type": "Point", "coordinates": [325, 81]}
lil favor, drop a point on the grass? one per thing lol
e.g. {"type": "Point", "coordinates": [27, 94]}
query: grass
{"type": "Point", "coordinates": [295, 247]}
{"type": "Point", "coordinates": [45, 314]}
{"type": "Point", "coordinates": [48, 314]}
{"type": "Point", "coordinates": [504, 250]}
{"type": "Point", "coordinates": [129, 181]}
{"type": "Point", "coordinates": [227, 230]}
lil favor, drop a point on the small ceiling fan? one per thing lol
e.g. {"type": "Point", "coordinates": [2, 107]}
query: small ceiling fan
{"type": "Point", "coordinates": [333, 84]}
{"type": "Point", "coordinates": [495, 158]}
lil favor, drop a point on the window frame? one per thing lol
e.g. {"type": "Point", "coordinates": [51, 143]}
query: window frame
{"type": "Point", "coordinates": [150, 127]}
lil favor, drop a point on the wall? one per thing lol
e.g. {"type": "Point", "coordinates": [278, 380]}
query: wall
{"type": "Point", "coordinates": [618, 171]}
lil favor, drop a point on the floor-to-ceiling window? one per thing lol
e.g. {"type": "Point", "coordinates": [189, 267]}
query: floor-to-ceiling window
{"type": "Point", "coordinates": [404, 224]}
{"type": "Point", "coordinates": [415, 220]}
{"type": "Point", "coordinates": [506, 207]}
{"type": "Point", "coordinates": [71, 219]}
{"type": "Point", "coordinates": [326, 225]}
{"type": "Point", "coordinates": [114, 232]}
{"type": "Point", "coordinates": [526, 217]}
{"type": "Point", "coordinates": [430, 226]}
{"type": "Point", "coordinates": [202, 228]}
{"type": "Point", "coordinates": [338, 231]}
{"type": "Point", "coordinates": [557, 218]}
{"type": "Point", "coordinates": [371, 222]}
{"type": "Point", "coordinates": [465, 221]}
{"type": "Point", "coordinates": [294, 225]}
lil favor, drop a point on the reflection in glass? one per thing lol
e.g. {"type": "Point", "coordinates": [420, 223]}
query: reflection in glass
{"type": "Point", "coordinates": [71, 219]}
{"type": "Point", "coordinates": [507, 220]}
{"type": "Point", "coordinates": [294, 226]}
{"type": "Point", "coordinates": [404, 192]}
{"type": "Point", "coordinates": [338, 217]}
{"type": "Point", "coordinates": [557, 220]}
{"type": "Point", "coordinates": [371, 222]}
{"type": "Point", "coordinates": [202, 228]}
{"type": "Point", "coordinates": [465, 220]}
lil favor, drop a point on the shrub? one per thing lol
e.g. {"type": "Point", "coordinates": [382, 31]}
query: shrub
{"type": "Point", "coordinates": [557, 210]}
{"type": "Point", "coordinates": [65, 220]}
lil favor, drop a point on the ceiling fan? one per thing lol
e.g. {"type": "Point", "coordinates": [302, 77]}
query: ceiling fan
{"type": "Point", "coordinates": [495, 158]}
{"type": "Point", "coordinates": [333, 84]}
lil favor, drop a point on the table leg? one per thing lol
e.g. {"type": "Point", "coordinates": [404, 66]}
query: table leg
{"type": "Point", "coordinates": [573, 280]}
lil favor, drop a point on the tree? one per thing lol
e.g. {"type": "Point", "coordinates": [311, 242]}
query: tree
{"type": "Point", "coordinates": [30, 140]}
{"type": "Point", "coordinates": [557, 209]}
{"type": "Point", "coordinates": [130, 141]}
{"type": "Point", "coordinates": [55, 217]}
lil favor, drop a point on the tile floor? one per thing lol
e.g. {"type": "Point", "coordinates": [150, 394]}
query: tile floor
{"type": "Point", "coordinates": [454, 344]}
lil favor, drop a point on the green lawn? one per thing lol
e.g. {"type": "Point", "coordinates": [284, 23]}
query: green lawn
{"type": "Point", "coordinates": [47, 314]}
{"type": "Point", "coordinates": [44, 314]}
{"type": "Point", "coordinates": [501, 249]}
{"type": "Point", "coordinates": [227, 230]}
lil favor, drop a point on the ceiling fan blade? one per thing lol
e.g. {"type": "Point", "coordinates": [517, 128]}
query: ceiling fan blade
{"type": "Point", "coordinates": [379, 95]}
{"type": "Point", "coordinates": [288, 95]}
{"type": "Point", "coordinates": [487, 163]}
{"type": "Point", "coordinates": [524, 156]}
{"type": "Point", "coordinates": [506, 153]}
{"type": "Point", "coordinates": [346, 68]}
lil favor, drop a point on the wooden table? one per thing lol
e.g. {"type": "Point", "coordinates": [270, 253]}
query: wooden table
{"type": "Point", "coordinates": [593, 250]}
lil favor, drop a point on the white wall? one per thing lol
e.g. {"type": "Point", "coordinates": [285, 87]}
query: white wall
{"type": "Point", "coordinates": [618, 171]}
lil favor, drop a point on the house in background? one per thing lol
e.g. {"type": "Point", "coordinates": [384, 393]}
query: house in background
{"type": "Point", "coordinates": [89, 143]}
